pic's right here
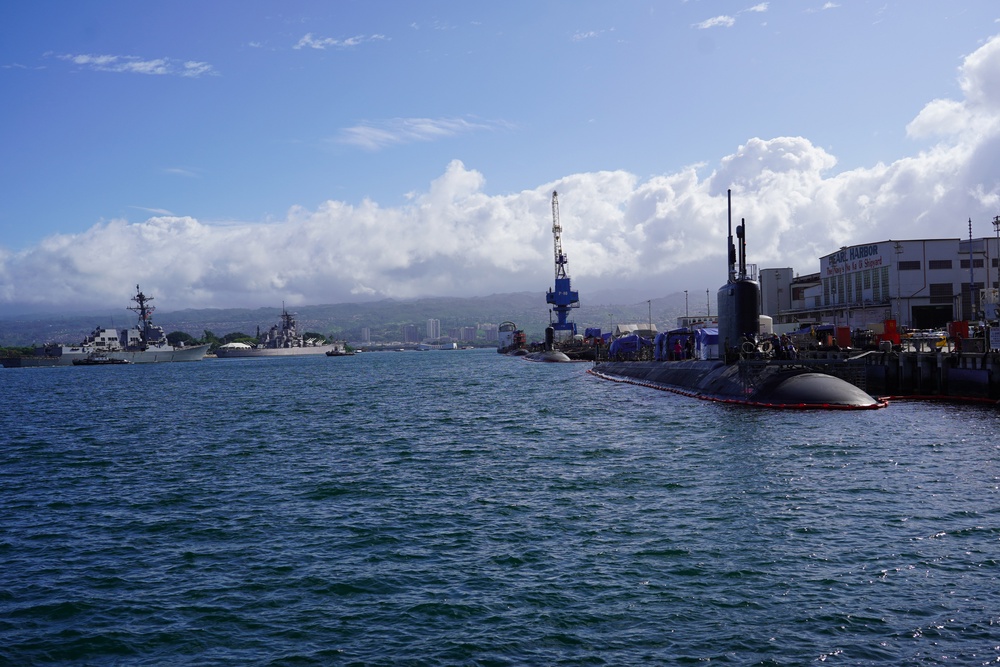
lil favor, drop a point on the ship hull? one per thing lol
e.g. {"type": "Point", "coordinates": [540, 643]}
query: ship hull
{"type": "Point", "coordinates": [66, 356]}
{"type": "Point", "coordinates": [760, 384]}
{"type": "Point", "coordinates": [273, 352]}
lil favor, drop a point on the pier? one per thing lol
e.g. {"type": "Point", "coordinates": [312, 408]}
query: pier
{"type": "Point", "coordinates": [972, 373]}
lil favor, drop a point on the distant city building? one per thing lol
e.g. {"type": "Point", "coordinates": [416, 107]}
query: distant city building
{"type": "Point", "coordinates": [490, 331]}
{"type": "Point", "coordinates": [410, 333]}
{"type": "Point", "coordinates": [433, 329]}
{"type": "Point", "coordinates": [366, 335]}
{"type": "Point", "coordinates": [467, 334]}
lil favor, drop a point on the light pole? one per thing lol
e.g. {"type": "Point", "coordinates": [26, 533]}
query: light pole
{"type": "Point", "coordinates": [686, 292]}
{"type": "Point", "coordinates": [972, 275]}
{"type": "Point", "coordinates": [996, 227]}
{"type": "Point", "coordinates": [649, 304]}
{"type": "Point", "coordinates": [898, 247]}
{"type": "Point", "coordinates": [708, 304]}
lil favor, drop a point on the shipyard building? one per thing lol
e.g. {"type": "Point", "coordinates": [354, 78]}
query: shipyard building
{"type": "Point", "coordinates": [918, 283]}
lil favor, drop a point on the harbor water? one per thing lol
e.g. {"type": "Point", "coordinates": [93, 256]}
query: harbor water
{"type": "Point", "coordinates": [467, 508]}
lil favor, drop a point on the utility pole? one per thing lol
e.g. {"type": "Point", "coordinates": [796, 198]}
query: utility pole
{"type": "Point", "coordinates": [972, 299]}
{"type": "Point", "coordinates": [996, 227]}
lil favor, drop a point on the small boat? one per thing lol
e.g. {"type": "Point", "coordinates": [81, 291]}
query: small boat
{"type": "Point", "coordinates": [99, 360]}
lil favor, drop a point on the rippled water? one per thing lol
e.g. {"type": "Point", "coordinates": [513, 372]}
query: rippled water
{"type": "Point", "coordinates": [448, 508]}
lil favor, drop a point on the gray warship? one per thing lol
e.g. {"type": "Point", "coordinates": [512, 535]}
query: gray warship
{"type": "Point", "coordinates": [282, 340]}
{"type": "Point", "coordinates": [145, 343]}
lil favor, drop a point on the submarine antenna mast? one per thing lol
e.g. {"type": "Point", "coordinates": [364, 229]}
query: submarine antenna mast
{"type": "Point", "coordinates": [563, 297]}
{"type": "Point", "coordinates": [732, 247]}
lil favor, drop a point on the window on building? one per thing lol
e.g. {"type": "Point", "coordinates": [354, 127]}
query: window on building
{"type": "Point", "coordinates": [936, 264]}
{"type": "Point", "coordinates": [868, 278]}
{"type": "Point", "coordinates": [976, 263]}
{"type": "Point", "coordinates": [909, 265]}
{"type": "Point", "coordinates": [941, 292]}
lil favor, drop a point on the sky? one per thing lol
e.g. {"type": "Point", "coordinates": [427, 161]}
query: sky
{"type": "Point", "coordinates": [247, 153]}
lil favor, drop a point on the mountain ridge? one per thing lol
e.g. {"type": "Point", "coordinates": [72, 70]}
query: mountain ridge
{"type": "Point", "coordinates": [384, 318]}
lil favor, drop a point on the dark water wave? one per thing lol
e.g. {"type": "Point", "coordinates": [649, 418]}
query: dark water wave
{"type": "Point", "coordinates": [450, 508]}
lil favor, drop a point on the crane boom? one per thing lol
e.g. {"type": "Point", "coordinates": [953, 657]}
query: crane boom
{"type": "Point", "coordinates": [557, 238]}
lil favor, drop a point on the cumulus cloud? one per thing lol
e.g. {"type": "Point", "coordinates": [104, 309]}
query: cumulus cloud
{"type": "Point", "coordinates": [656, 236]}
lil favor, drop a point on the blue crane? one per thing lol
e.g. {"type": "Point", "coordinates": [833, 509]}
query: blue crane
{"type": "Point", "coordinates": [562, 298]}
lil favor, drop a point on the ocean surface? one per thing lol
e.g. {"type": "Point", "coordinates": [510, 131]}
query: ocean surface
{"type": "Point", "coordinates": [466, 508]}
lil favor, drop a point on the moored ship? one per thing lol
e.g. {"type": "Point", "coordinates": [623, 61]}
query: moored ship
{"type": "Point", "coordinates": [746, 371]}
{"type": "Point", "coordinates": [145, 343]}
{"type": "Point", "coordinates": [282, 340]}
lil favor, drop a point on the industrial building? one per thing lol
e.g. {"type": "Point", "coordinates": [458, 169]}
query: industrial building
{"type": "Point", "coordinates": [919, 283]}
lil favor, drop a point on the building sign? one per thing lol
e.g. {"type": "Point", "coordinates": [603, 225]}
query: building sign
{"type": "Point", "coordinates": [995, 338]}
{"type": "Point", "coordinates": [855, 258]}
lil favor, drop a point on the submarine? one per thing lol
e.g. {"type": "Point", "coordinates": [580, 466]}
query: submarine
{"type": "Point", "coordinates": [746, 372]}
{"type": "Point", "coordinates": [548, 353]}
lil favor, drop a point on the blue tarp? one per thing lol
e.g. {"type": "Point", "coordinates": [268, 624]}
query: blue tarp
{"type": "Point", "coordinates": [703, 339]}
{"type": "Point", "coordinates": [665, 342]}
{"type": "Point", "coordinates": [627, 347]}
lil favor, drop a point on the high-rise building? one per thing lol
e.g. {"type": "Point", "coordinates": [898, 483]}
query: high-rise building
{"type": "Point", "coordinates": [490, 331]}
{"type": "Point", "coordinates": [433, 329]}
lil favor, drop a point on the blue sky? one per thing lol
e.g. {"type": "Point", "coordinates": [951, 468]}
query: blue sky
{"type": "Point", "coordinates": [252, 153]}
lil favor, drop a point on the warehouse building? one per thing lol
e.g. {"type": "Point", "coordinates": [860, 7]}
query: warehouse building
{"type": "Point", "coordinates": [919, 283]}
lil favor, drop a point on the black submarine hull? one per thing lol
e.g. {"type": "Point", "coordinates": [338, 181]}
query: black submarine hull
{"type": "Point", "coordinates": [770, 384]}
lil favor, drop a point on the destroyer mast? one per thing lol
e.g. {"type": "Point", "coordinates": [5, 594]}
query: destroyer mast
{"type": "Point", "coordinates": [563, 298]}
{"type": "Point", "coordinates": [145, 312]}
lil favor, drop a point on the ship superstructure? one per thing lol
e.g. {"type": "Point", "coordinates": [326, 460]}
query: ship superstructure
{"type": "Point", "coordinates": [282, 339]}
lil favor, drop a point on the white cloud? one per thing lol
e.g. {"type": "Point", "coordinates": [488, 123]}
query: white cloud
{"type": "Point", "coordinates": [590, 34]}
{"type": "Point", "coordinates": [182, 171]}
{"type": "Point", "coordinates": [323, 43]}
{"type": "Point", "coordinates": [716, 22]}
{"type": "Point", "coordinates": [136, 65]}
{"type": "Point", "coordinates": [375, 135]}
{"type": "Point", "coordinates": [725, 21]}
{"type": "Point", "coordinates": [657, 235]}
{"type": "Point", "coordinates": [974, 118]}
